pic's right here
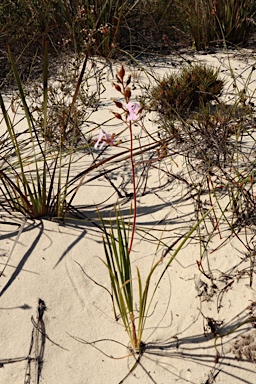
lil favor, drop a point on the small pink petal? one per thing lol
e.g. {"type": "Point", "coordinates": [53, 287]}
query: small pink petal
{"type": "Point", "coordinates": [100, 137]}
{"type": "Point", "coordinates": [129, 107]}
{"type": "Point", "coordinates": [136, 108]}
{"type": "Point", "coordinates": [102, 145]}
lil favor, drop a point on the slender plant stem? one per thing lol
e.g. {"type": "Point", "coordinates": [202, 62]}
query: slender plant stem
{"type": "Point", "coordinates": [134, 333]}
{"type": "Point", "coordinates": [134, 190]}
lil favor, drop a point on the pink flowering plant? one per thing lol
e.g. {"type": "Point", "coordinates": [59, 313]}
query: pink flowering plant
{"type": "Point", "coordinates": [118, 242]}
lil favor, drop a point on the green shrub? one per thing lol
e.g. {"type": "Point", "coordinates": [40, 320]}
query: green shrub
{"type": "Point", "coordinates": [177, 95]}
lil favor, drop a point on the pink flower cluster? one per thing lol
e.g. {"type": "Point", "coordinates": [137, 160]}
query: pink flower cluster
{"type": "Point", "coordinates": [104, 138]}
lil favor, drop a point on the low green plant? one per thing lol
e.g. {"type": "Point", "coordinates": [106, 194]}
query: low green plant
{"type": "Point", "coordinates": [118, 263]}
{"type": "Point", "coordinates": [24, 183]}
{"type": "Point", "coordinates": [191, 89]}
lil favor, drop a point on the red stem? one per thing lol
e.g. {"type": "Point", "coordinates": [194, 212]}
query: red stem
{"type": "Point", "coordinates": [134, 190]}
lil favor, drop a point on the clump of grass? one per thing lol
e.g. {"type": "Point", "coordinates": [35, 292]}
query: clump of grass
{"type": "Point", "coordinates": [31, 182]}
{"type": "Point", "coordinates": [217, 22]}
{"type": "Point", "coordinates": [118, 263]}
{"type": "Point", "coordinates": [36, 178]}
{"type": "Point", "coordinates": [235, 20]}
{"type": "Point", "coordinates": [192, 89]}
{"type": "Point", "coordinates": [151, 26]}
{"type": "Point", "coordinates": [198, 22]}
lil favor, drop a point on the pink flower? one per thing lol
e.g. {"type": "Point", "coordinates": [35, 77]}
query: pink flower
{"type": "Point", "coordinates": [100, 137]}
{"type": "Point", "coordinates": [133, 111]}
{"type": "Point", "coordinates": [104, 138]}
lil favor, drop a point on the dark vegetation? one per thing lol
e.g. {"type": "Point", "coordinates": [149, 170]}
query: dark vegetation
{"type": "Point", "coordinates": [111, 28]}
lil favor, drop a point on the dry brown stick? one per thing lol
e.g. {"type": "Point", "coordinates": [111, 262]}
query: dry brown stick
{"type": "Point", "coordinates": [36, 345]}
{"type": "Point", "coordinates": [12, 360]}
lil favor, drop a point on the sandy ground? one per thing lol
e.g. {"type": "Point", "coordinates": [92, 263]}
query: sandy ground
{"type": "Point", "coordinates": [77, 338]}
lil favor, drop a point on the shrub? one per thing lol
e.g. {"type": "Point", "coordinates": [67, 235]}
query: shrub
{"type": "Point", "coordinates": [177, 95]}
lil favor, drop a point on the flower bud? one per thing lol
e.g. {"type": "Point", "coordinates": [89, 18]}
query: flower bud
{"type": "Point", "coordinates": [121, 73]}
{"type": "Point", "coordinates": [117, 87]}
{"type": "Point", "coordinates": [118, 116]}
{"type": "Point", "coordinates": [127, 94]}
{"type": "Point", "coordinates": [118, 104]}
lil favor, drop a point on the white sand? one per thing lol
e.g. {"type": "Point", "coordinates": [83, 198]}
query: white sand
{"type": "Point", "coordinates": [179, 345]}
